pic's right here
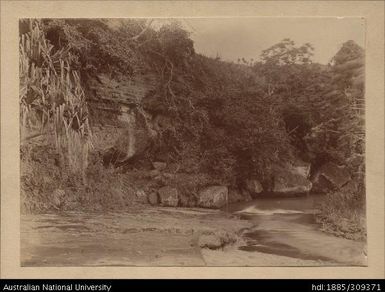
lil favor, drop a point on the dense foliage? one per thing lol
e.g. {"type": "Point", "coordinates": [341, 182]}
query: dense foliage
{"type": "Point", "coordinates": [52, 98]}
{"type": "Point", "coordinates": [230, 120]}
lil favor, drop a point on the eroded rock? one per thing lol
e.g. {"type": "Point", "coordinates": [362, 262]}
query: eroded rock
{"type": "Point", "coordinates": [292, 179]}
{"type": "Point", "coordinates": [213, 197]}
{"type": "Point", "coordinates": [329, 177]}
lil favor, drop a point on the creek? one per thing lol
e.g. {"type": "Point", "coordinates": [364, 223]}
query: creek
{"type": "Point", "coordinates": [272, 232]}
{"type": "Point", "coordinates": [286, 226]}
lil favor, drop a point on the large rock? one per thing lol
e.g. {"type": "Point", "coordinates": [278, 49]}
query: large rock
{"type": "Point", "coordinates": [168, 196]}
{"type": "Point", "coordinates": [213, 197]}
{"type": "Point", "coordinates": [153, 198]}
{"type": "Point", "coordinates": [292, 179]}
{"type": "Point", "coordinates": [216, 239]}
{"type": "Point", "coordinates": [254, 186]}
{"type": "Point", "coordinates": [329, 177]}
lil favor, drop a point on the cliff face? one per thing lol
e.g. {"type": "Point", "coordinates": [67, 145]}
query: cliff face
{"type": "Point", "coordinates": [121, 128]}
{"type": "Point", "coordinates": [125, 90]}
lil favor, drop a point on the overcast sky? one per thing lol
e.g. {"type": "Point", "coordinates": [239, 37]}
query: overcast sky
{"type": "Point", "coordinates": [233, 38]}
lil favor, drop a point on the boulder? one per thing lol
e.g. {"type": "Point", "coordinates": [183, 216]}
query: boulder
{"type": "Point", "coordinates": [168, 196]}
{"type": "Point", "coordinates": [215, 239]}
{"type": "Point", "coordinates": [153, 198]}
{"type": "Point", "coordinates": [210, 241]}
{"type": "Point", "coordinates": [253, 186]}
{"type": "Point", "coordinates": [213, 197]}
{"type": "Point", "coordinates": [291, 179]}
{"type": "Point", "coordinates": [330, 176]}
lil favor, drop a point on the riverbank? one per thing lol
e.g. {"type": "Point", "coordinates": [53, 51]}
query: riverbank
{"type": "Point", "coordinates": [146, 236]}
{"type": "Point", "coordinates": [343, 215]}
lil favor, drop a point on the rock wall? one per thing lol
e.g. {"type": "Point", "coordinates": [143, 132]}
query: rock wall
{"type": "Point", "coordinates": [122, 91]}
{"type": "Point", "coordinates": [124, 129]}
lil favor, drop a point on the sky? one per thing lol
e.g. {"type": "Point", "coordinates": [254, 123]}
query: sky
{"type": "Point", "coordinates": [233, 38]}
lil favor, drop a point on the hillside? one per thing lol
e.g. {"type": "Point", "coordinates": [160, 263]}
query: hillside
{"type": "Point", "coordinates": [115, 116]}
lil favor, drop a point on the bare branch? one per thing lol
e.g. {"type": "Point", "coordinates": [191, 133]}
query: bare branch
{"type": "Point", "coordinates": [135, 38]}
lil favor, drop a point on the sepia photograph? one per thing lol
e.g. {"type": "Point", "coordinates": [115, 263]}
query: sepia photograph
{"type": "Point", "coordinates": [167, 142]}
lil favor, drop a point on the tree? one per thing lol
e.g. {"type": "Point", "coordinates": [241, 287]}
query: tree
{"type": "Point", "coordinates": [340, 134]}
{"type": "Point", "coordinates": [284, 67]}
{"type": "Point", "coordinates": [286, 53]}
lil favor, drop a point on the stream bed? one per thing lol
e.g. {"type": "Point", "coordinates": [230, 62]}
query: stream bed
{"type": "Point", "coordinates": [287, 227]}
{"type": "Point", "coordinates": [271, 232]}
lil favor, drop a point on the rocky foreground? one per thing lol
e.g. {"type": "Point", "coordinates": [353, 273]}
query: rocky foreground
{"type": "Point", "coordinates": [148, 236]}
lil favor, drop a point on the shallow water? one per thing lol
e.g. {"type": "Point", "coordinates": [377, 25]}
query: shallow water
{"type": "Point", "coordinates": [283, 230]}
{"type": "Point", "coordinates": [287, 227]}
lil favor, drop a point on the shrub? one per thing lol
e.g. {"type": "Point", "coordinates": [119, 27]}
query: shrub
{"type": "Point", "coordinates": [343, 214]}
